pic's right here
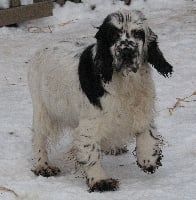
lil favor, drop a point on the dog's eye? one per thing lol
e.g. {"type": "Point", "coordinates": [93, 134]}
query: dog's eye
{"type": "Point", "coordinates": [115, 35]}
{"type": "Point", "coordinates": [138, 34]}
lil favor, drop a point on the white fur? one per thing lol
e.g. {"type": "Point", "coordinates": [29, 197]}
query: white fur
{"type": "Point", "coordinates": [58, 103]}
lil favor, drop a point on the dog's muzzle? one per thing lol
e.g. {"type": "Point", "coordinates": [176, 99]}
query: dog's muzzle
{"type": "Point", "coordinates": [126, 54]}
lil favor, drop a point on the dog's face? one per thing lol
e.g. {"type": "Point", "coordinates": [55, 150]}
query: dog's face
{"type": "Point", "coordinates": [129, 42]}
{"type": "Point", "coordinates": [124, 33]}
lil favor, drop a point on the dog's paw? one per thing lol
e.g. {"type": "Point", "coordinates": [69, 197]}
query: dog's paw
{"type": "Point", "coordinates": [150, 165]}
{"type": "Point", "coordinates": [116, 151]}
{"type": "Point", "coordinates": [105, 185]}
{"type": "Point", "coordinates": [46, 171]}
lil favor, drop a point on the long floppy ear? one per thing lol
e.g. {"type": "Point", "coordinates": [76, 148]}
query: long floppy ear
{"type": "Point", "coordinates": [103, 62]}
{"type": "Point", "coordinates": [104, 32]}
{"type": "Point", "coordinates": [100, 33]}
{"type": "Point", "coordinates": [90, 79]}
{"type": "Point", "coordinates": [155, 56]}
{"type": "Point", "coordinates": [103, 59]}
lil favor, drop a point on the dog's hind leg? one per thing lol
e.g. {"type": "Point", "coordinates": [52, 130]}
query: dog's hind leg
{"type": "Point", "coordinates": [148, 150]}
{"type": "Point", "coordinates": [41, 127]}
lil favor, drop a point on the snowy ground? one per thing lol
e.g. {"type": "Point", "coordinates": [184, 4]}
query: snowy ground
{"type": "Point", "coordinates": [175, 23]}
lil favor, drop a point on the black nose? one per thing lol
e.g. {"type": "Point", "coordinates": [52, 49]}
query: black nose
{"type": "Point", "coordinates": [127, 53]}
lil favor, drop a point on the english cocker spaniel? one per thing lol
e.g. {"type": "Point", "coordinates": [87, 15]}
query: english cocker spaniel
{"type": "Point", "coordinates": [106, 96]}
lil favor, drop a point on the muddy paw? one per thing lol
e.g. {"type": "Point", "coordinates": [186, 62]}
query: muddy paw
{"type": "Point", "coordinates": [105, 185]}
{"type": "Point", "coordinates": [46, 171]}
{"type": "Point", "coordinates": [150, 167]}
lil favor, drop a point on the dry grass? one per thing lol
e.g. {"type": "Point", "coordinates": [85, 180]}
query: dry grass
{"type": "Point", "coordinates": [179, 101]}
{"type": "Point", "coordinates": [8, 190]}
{"type": "Point", "coordinates": [49, 28]}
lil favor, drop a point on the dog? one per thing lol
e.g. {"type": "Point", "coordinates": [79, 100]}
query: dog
{"type": "Point", "coordinates": [106, 95]}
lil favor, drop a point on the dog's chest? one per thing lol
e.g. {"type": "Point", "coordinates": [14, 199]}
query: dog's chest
{"type": "Point", "coordinates": [129, 103]}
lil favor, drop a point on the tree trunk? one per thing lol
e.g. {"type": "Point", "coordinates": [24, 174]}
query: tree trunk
{"type": "Point", "coordinates": [128, 2]}
{"type": "Point", "coordinates": [14, 3]}
{"type": "Point", "coordinates": [61, 2]}
{"type": "Point", "coordinates": [76, 1]}
{"type": "Point", "coordinates": [37, 1]}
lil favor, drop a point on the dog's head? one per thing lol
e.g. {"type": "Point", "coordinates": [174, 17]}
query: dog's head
{"type": "Point", "coordinates": [125, 42]}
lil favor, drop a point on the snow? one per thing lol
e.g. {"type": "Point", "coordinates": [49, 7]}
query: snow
{"type": "Point", "coordinates": [175, 24]}
{"type": "Point", "coordinates": [4, 4]}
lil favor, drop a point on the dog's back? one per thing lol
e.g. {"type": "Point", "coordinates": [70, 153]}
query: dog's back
{"type": "Point", "coordinates": [53, 83]}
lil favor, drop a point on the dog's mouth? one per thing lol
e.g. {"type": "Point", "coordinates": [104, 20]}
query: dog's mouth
{"type": "Point", "coordinates": [126, 66]}
{"type": "Point", "coordinates": [130, 66]}
{"type": "Point", "coordinates": [126, 71]}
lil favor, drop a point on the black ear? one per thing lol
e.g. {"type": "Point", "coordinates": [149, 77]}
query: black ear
{"type": "Point", "coordinates": [93, 72]}
{"type": "Point", "coordinates": [100, 33]}
{"type": "Point", "coordinates": [103, 61]}
{"type": "Point", "coordinates": [103, 29]}
{"type": "Point", "coordinates": [155, 56]}
{"type": "Point", "coordinates": [90, 78]}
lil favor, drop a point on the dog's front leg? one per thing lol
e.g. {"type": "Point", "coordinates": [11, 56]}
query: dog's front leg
{"type": "Point", "coordinates": [148, 150]}
{"type": "Point", "coordinates": [89, 155]}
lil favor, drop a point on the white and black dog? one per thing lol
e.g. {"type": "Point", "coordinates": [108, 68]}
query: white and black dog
{"type": "Point", "coordinates": [106, 97]}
